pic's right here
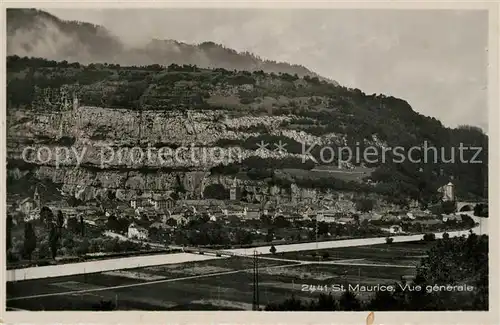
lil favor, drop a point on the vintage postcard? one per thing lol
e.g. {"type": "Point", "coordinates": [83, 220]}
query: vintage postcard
{"type": "Point", "coordinates": [250, 163]}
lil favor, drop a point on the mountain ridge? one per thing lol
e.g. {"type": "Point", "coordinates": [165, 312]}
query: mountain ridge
{"type": "Point", "coordinates": [36, 33]}
{"type": "Point", "coordinates": [179, 106]}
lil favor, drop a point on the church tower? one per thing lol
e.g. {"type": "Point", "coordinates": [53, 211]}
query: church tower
{"type": "Point", "coordinates": [75, 102]}
{"type": "Point", "coordinates": [36, 199]}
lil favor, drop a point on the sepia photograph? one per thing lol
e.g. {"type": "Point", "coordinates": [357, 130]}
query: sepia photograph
{"type": "Point", "coordinates": [247, 159]}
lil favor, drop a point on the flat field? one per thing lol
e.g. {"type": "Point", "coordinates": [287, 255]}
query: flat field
{"type": "Point", "coordinates": [220, 284]}
{"type": "Point", "coordinates": [404, 253]}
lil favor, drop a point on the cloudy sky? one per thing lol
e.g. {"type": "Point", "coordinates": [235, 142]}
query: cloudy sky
{"type": "Point", "coordinates": [436, 60]}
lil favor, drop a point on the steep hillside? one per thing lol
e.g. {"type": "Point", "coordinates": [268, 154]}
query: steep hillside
{"type": "Point", "coordinates": [37, 33]}
{"type": "Point", "coordinates": [199, 109]}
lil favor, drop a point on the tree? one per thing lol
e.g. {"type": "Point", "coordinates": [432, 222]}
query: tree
{"type": "Point", "coordinates": [112, 224]}
{"type": "Point", "coordinates": [364, 205]}
{"type": "Point", "coordinates": [273, 249]}
{"type": "Point", "coordinates": [281, 222]}
{"type": "Point", "coordinates": [326, 255]}
{"type": "Point", "coordinates": [9, 231]}
{"type": "Point", "coordinates": [73, 225]}
{"type": "Point", "coordinates": [446, 235]}
{"type": "Point", "coordinates": [266, 220]}
{"type": "Point", "coordinates": [83, 248]}
{"type": "Point", "coordinates": [270, 235]}
{"type": "Point", "coordinates": [481, 210]}
{"type": "Point", "coordinates": [311, 235]}
{"type": "Point", "coordinates": [349, 302]}
{"type": "Point", "coordinates": [82, 226]}
{"type": "Point", "coordinates": [154, 233]}
{"type": "Point", "coordinates": [74, 202]}
{"type": "Point", "coordinates": [60, 221]}
{"type": "Point", "coordinates": [458, 260]}
{"type": "Point", "coordinates": [383, 301]}
{"type": "Point", "coordinates": [123, 224]}
{"type": "Point", "coordinates": [418, 227]}
{"type": "Point", "coordinates": [171, 222]}
{"type": "Point", "coordinates": [54, 236]}
{"type": "Point", "coordinates": [29, 240]}
{"type": "Point", "coordinates": [44, 250]}
{"type": "Point", "coordinates": [324, 303]}
{"type": "Point", "coordinates": [216, 191]}
{"type": "Point", "coordinates": [323, 228]}
{"type": "Point", "coordinates": [204, 218]}
{"type": "Point", "coordinates": [389, 240]}
{"type": "Point", "coordinates": [104, 305]}
{"type": "Point", "coordinates": [467, 221]}
{"type": "Point", "coordinates": [429, 237]}
{"type": "Point", "coordinates": [449, 206]}
{"type": "Point", "coordinates": [46, 216]}
{"type": "Point", "coordinates": [243, 237]}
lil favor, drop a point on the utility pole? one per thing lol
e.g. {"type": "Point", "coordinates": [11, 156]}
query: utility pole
{"type": "Point", "coordinates": [317, 226]}
{"type": "Point", "coordinates": [254, 301]}
{"type": "Point", "coordinates": [255, 304]}
{"type": "Point", "coordinates": [316, 233]}
{"type": "Point", "coordinates": [257, 278]}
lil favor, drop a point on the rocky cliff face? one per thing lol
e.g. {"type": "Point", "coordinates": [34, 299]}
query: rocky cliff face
{"type": "Point", "coordinates": [155, 128]}
{"type": "Point", "coordinates": [91, 152]}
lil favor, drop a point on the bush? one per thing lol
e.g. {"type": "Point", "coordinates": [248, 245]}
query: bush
{"type": "Point", "coordinates": [429, 237]}
{"type": "Point", "coordinates": [240, 80]}
{"type": "Point", "coordinates": [481, 210]}
{"type": "Point", "coordinates": [216, 191]}
{"type": "Point", "coordinates": [246, 100]}
{"type": "Point", "coordinates": [12, 258]}
{"type": "Point", "coordinates": [326, 255]}
{"type": "Point", "coordinates": [83, 248]}
{"type": "Point", "coordinates": [467, 221]}
{"type": "Point", "coordinates": [44, 250]}
{"type": "Point", "coordinates": [104, 305]}
{"type": "Point", "coordinates": [449, 207]}
{"type": "Point", "coordinates": [389, 240]}
{"type": "Point", "coordinates": [364, 205]}
{"type": "Point", "coordinates": [273, 249]}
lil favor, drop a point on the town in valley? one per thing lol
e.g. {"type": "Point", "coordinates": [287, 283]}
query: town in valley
{"type": "Point", "coordinates": [232, 214]}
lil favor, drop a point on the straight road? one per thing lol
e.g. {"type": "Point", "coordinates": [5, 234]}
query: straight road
{"type": "Point", "coordinates": [154, 260]}
{"type": "Point", "coordinates": [342, 243]}
{"type": "Point", "coordinates": [123, 263]}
